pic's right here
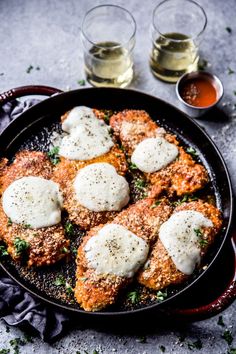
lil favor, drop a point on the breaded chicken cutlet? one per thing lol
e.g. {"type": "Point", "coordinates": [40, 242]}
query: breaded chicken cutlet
{"type": "Point", "coordinates": [65, 172]}
{"type": "Point", "coordinates": [42, 246]}
{"type": "Point", "coordinates": [182, 176]}
{"type": "Point", "coordinates": [95, 291]}
{"type": "Point", "coordinates": [160, 270]}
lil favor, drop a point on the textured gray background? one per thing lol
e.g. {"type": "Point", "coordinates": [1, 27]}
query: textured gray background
{"type": "Point", "coordinates": [45, 33]}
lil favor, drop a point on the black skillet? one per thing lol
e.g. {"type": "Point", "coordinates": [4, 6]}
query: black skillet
{"type": "Point", "coordinates": [45, 113]}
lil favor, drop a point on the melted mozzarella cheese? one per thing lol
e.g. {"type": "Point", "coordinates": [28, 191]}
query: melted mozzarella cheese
{"type": "Point", "coordinates": [116, 250]}
{"type": "Point", "coordinates": [152, 154]}
{"type": "Point", "coordinates": [33, 201]}
{"type": "Point", "coordinates": [98, 187]}
{"type": "Point", "coordinates": [88, 137]}
{"type": "Point", "coordinates": [180, 239]}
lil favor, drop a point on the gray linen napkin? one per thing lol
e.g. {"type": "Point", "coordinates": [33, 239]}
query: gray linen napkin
{"type": "Point", "coordinates": [18, 307]}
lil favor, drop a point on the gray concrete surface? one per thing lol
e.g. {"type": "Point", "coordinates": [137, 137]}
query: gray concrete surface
{"type": "Point", "coordinates": [45, 33]}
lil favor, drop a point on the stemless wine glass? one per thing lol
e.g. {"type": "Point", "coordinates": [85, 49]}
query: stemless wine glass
{"type": "Point", "coordinates": [177, 28]}
{"type": "Point", "coordinates": [108, 37]}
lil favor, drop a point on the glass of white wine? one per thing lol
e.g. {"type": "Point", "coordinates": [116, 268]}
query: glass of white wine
{"type": "Point", "coordinates": [177, 29]}
{"type": "Point", "coordinates": [108, 37]}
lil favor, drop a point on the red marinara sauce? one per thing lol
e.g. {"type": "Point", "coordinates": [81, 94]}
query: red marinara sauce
{"type": "Point", "coordinates": [198, 92]}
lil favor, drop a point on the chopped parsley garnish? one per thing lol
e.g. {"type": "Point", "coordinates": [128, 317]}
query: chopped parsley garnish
{"type": "Point", "coordinates": [95, 352]}
{"type": "Point", "coordinates": [227, 336]}
{"type": "Point", "coordinates": [234, 93]}
{"type": "Point", "coordinates": [162, 348]}
{"type": "Point", "coordinates": [230, 71]}
{"type": "Point", "coordinates": [161, 295]}
{"type": "Point", "coordinates": [3, 251]}
{"type": "Point", "coordinates": [195, 345]}
{"type": "Point", "coordinates": [228, 29]}
{"type": "Point", "coordinates": [203, 63]}
{"type": "Point", "coordinates": [16, 343]}
{"type": "Point", "coordinates": [142, 339]}
{"type": "Point", "coordinates": [140, 184]}
{"type": "Point", "coordinates": [60, 281]}
{"type": "Point", "coordinates": [26, 226]}
{"type": "Point", "coordinates": [69, 289]}
{"type": "Point", "coordinates": [64, 250]}
{"type": "Point", "coordinates": [190, 150]}
{"type": "Point", "coordinates": [53, 155]}
{"type": "Point", "coordinates": [29, 69]}
{"type": "Point", "coordinates": [107, 119]}
{"type": "Point", "coordinates": [186, 198]}
{"type": "Point", "coordinates": [220, 321]}
{"type": "Point", "coordinates": [9, 222]}
{"type": "Point", "coordinates": [154, 205]}
{"type": "Point", "coordinates": [132, 166]}
{"type": "Point", "coordinates": [20, 245]}
{"type": "Point", "coordinates": [231, 351]}
{"type": "Point", "coordinates": [81, 82]}
{"type": "Point", "coordinates": [74, 250]}
{"type": "Point", "coordinates": [200, 235]}
{"type": "Point", "coordinates": [4, 351]}
{"type": "Point", "coordinates": [133, 296]}
{"type": "Point", "coordinates": [69, 228]}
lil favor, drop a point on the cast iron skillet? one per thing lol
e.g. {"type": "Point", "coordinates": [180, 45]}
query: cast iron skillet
{"type": "Point", "coordinates": [48, 111]}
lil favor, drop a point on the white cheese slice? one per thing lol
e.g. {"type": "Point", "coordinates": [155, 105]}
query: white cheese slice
{"type": "Point", "coordinates": [153, 154]}
{"type": "Point", "coordinates": [180, 237]}
{"type": "Point", "coordinates": [33, 201]}
{"type": "Point", "coordinates": [99, 187]}
{"type": "Point", "coordinates": [116, 250]}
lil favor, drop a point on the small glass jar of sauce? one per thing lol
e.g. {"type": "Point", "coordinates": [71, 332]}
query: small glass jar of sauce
{"type": "Point", "coordinates": [199, 91]}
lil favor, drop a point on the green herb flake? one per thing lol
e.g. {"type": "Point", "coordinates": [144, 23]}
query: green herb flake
{"type": "Point", "coordinates": [234, 92]}
{"type": "Point", "coordinates": [29, 69]}
{"type": "Point", "coordinates": [16, 343]}
{"type": "Point", "coordinates": [69, 289]}
{"type": "Point", "coordinates": [140, 184]}
{"type": "Point", "coordinates": [69, 228]}
{"type": "Point", "coordinates": [64, 250]}
{"type": "Point", "coordinates": [195, 345]}
{"type": "Point", "coordinates": [4, 351]}
{"type": "Point", "coordinates": [227, 336]}
{"type": "Point", "coordinates": [230, 71]}
{"type": "Point", "coordinates": [203, 63]}
{"type": "Point", "coordinates": [132, 166]}
{"type": "Point", "coordinates": [81, 82]}
{"type": "Point", "coordinates": [95, 352]}
{"type": "Point", "coordinates": [220, 321]}
{"type": "Point", "coordinates": [228, 29]}
{"type": "Point", "coordinates": [9, 222]}
{"type": "Point", "coordinates": [26, 226]}
{"type": "Point", "coordinates": [190, 150]}
{"type": "Point", "coordinates": [133, 296]}
{"type": "Point", "coordinates": [74, 251]}
{"type": "Point", "coordinates": [161, 295]}
{"type": "Point", "coordinates": [142, 339]}
{"type": "Point", "coordinates": [231, 351]}
{"type": "Point", "coordinates": [154, 205]}
{"type": "Point", "coordinates": [53, 155]}
{"type": "Point", "coordinates": [202, 242]}
{"type": "Point", "coordinates": [107, 119]}
{"type": "Point", "coordinates": [21, 246]}
{"type": "Point", "coordinates": [162, 348]}
{"type": "Point", "coordinates": [60, 281]}
{"type": "Point", "coordinates": [186, 198]}
{"type": "Point", "coordinates": [3, 251]}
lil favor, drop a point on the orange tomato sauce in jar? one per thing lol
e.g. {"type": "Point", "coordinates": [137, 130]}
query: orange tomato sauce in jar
{"type": "Point", "coordinates": [198, 92]}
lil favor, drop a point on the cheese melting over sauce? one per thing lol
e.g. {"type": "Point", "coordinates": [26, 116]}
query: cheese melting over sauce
{"type": "Point", "coordinates": [98, 187]}
{"type": "Point", "coordinates": [88, 136]}
{"type": "Point", "coordinates": [116, 250]}
{"type": "Point", "coordinates": [33, 201]}
{"type": "Point", "coordinates": [180, 239]}
{"type": "Point", "coordinates": [153, 154]}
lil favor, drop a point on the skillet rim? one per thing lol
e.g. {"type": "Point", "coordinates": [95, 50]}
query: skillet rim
{"type": "Point", "coordinates": [226, 232]}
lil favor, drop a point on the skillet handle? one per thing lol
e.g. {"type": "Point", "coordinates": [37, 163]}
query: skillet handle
{"type": "Point", "coordinates": [27, 91]}
{"type": "Point", "coordinates": [221, 303]}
